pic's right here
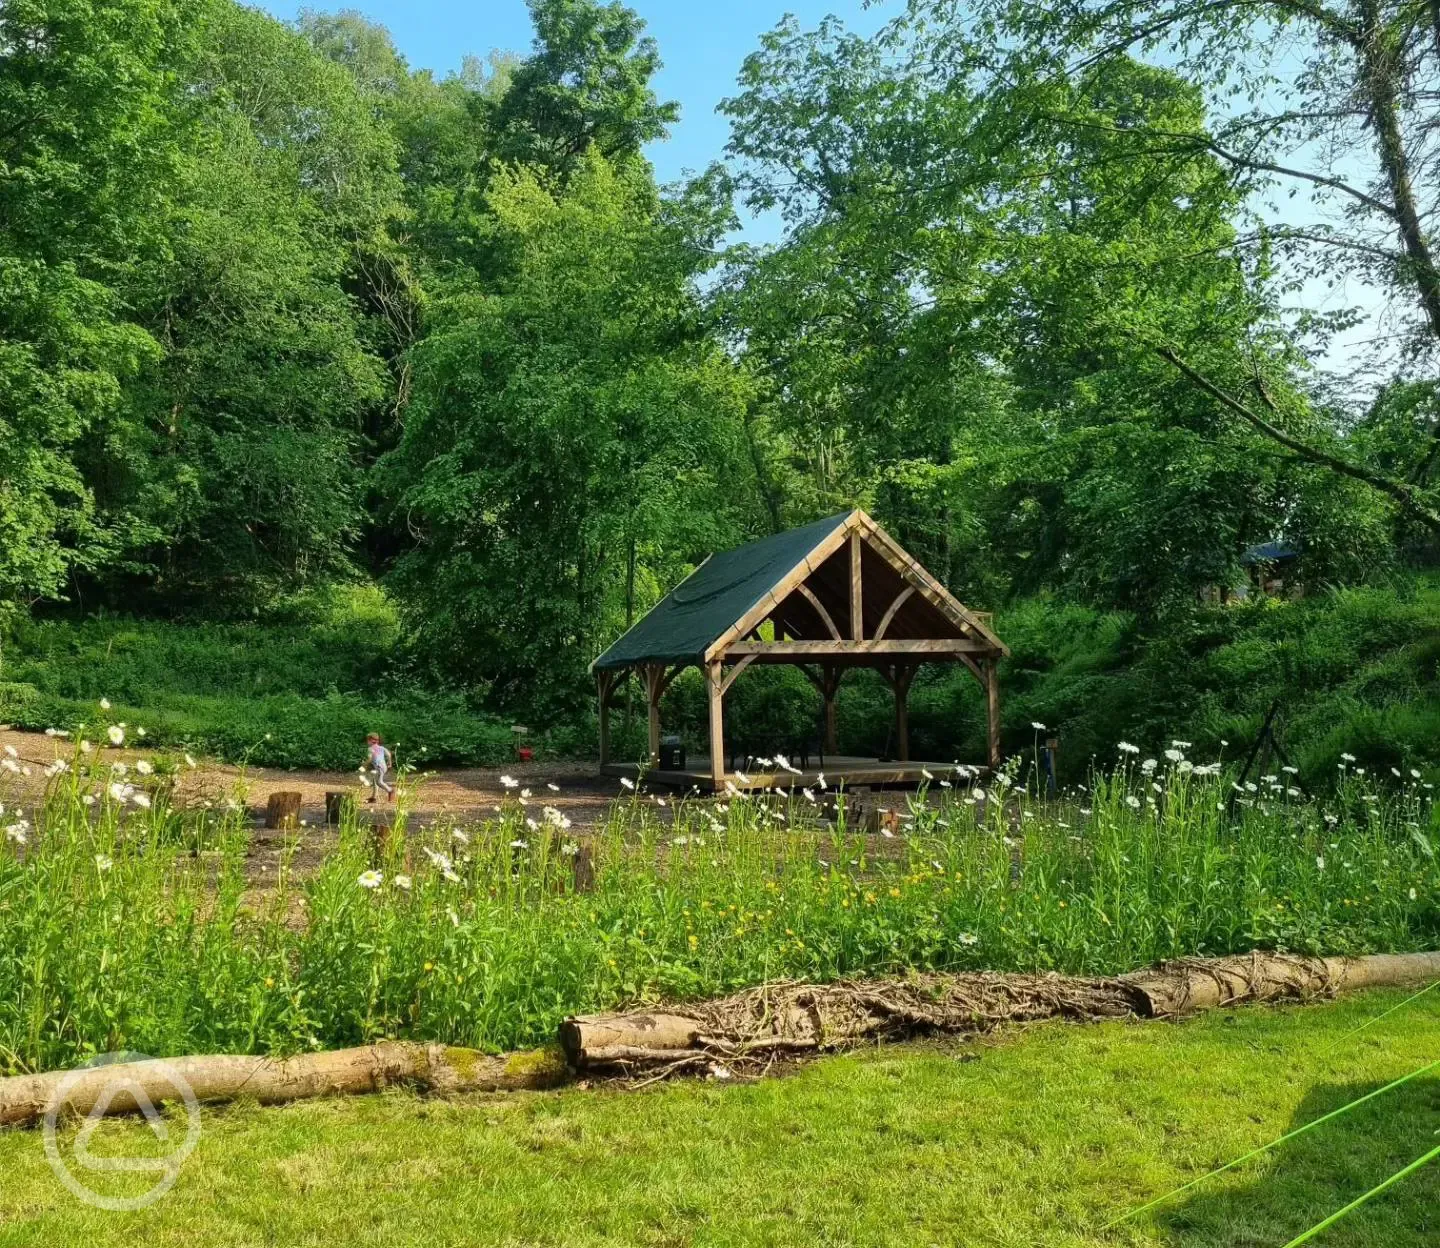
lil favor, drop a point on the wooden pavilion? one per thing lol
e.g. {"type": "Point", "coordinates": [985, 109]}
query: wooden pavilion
{"type": "Point", "coordinates": [833, 595]}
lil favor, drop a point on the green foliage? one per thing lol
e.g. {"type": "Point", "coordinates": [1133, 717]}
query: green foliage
{"type": "Point", "coordinates": [587, 87]}
{"type": "Point", "coordinates": [84, 149]}
{"type": "Point", "coordinates": [300, 690]}
{"type": "Point", "coordinates": [486, 942]}
{"type": "Point", "coordinates": [565, 423]}
{"type": "Point", "coordinates": [278, 310]}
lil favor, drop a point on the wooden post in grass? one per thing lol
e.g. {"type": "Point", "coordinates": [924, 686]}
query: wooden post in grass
{"type": "Point", "coordinates": [335, 807]}
{"type": "Point", "coordinates": [379, 842]}
{"type": "Point", "coordinates": [283, 809]}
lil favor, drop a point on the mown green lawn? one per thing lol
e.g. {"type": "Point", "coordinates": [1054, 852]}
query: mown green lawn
{"type": "Point", "coordinates": [1034, 1138]}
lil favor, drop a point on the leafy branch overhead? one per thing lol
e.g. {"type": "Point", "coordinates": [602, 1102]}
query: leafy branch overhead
{"type": "Point", "coordinates": [1083, 299]}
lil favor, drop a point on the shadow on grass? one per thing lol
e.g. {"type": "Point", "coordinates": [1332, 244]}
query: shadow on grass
{"type": "Point", "coordinates": [1267, 1202]}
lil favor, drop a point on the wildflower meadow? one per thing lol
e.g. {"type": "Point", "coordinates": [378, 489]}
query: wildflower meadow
{"type": "Point", "coordinates": [130, 923]}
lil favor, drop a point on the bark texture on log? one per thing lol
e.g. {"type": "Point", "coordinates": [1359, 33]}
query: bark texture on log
{"type": "Point", "coordinates": [754, 1027]}
{"type": "Point", "coordinates": [1176, 988]}
{"type": "Point", "coordinates": [745, 1032]}
{"type": "Point", "coordinates": [796, 1018]}
{"type": "Point", "coordinates": [438, 1068]}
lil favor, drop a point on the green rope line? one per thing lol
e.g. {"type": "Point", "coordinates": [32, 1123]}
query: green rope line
{"type": "Point", "coordinates": [1371, 1022]}
{"type": "Point", "coordinates": [1265, 1148]}
{"type": "Point", "coordinates": [1356, 1203]}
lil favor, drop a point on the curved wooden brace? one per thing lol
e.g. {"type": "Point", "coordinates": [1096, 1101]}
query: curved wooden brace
{"type": "Point", "coordinates": [734, 672]}
{"type": "Point", "coordinates": [900, 600]}
{"type": "Point", "coordinates": [824, 615]}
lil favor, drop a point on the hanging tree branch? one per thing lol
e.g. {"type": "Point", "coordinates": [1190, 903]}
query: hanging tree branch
{"type": "Point", "coordinates": [1407, 499]}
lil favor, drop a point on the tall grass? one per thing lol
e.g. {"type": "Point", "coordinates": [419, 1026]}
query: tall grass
{"type": "Point", "coordinates": [148, 928]}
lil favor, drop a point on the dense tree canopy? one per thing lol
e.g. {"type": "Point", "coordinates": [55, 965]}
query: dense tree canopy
{"type": "Point", "coordinates": [276, 306]}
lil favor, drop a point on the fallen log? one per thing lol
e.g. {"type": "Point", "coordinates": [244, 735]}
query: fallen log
{"type": "Point", "coordinates": [1177, 988]}
{"type": "Point", "coordinates": [744, 1033]}
{"type": "Point", "coordinates": [437, 1068]}
{"type": "Point", "coordinates": [755, 1027]}
{"type": "Point", "coordinates": [795, 1018]}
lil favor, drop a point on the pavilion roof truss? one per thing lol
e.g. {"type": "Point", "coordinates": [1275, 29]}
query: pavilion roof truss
{"type": "Point", "coordinates": [837, 594]}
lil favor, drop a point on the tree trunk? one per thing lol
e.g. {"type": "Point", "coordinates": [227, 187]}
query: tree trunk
{"type": "Point", "coordinates": [436, 1067]}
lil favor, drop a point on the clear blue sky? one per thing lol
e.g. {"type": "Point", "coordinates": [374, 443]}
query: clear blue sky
{"type": "Point", "coordinates": [701, 42]}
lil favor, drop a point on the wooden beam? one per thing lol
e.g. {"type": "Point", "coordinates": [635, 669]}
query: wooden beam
{"type": "Point", "coordinates": [793, 651]}
{"type": "Point", "coordinates": [900, 600]}
{"type": "Point", "coordinates": [932, 590]}
{"type": "Point", "coordinates": [753, 617]}
{"type": "Point", "coordinates": [975, 669]}
{"type": "Point", "coordinates": [992, 711]}
{"type": "Point", "coordinates": [716, 685]}
{"type": "Point", "coordinates": [667, 680]}
{"type": "Point", "coordinates": [806, 592]}
{"type": "Point", "coordinates": [812, 676]}
{"type": "Point", "coordinates": [734, 672]}
{"type": "Point", "coordinates": [857, 598]}
{"type": "Point", "coordinates": [654, 679]}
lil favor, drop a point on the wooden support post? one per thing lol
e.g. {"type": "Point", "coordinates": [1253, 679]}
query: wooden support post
{"type": "Point", "coordinates": [654, 687]}
{"type": "Point", "coordinates": [903, 677]}
{"type": "Point", "coordinates": [829, 687]}
{"type": "Point", "coordinates": [857, 602]}
{"type": "Point", "coordinates": [716, 682]}
{"type": "Point", "coordinates": [604, 682]}
{"type": "Point", "coordinates": [992, 709]}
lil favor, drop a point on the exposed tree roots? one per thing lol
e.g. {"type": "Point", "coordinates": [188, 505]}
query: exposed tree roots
{"type": "Point", "coordinates": [752, 1028]}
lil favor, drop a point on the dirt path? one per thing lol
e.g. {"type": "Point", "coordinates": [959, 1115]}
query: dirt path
{"type": "Point", "coordinates": [464, 793]}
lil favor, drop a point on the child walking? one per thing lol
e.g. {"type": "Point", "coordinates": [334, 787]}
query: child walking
{"type": "Point", "coordinates": [378, 761]}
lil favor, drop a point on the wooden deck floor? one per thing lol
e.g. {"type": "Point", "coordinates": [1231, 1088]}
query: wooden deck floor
{"type": "Point", "coordinates": [842, 769]}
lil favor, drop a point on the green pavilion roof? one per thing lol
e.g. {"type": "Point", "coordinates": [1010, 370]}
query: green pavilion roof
{"type": "Point", "coordinates": [707, 603]}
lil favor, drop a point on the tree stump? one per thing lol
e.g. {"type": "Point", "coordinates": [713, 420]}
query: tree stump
{"type": "Point", "coordinates": [283, 810]}
{"type": "Point", "coordinates": [335, 804]}
{"type": "Point", "coordinates": [379, 842]}
{"type": "Point", "coordinates": [584, 870]}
